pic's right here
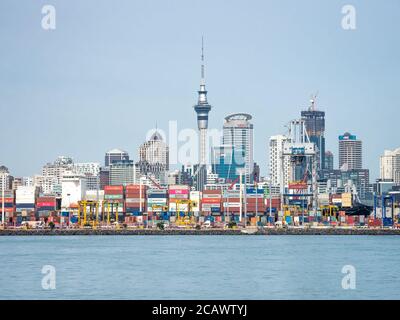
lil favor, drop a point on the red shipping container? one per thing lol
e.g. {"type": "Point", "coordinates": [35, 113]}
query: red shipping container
{"type": "Point", "coordinates": [46, 199]}
{"type": "Point", "coordinates": [119, 189]}
{"type": "Point", "coordinates": [374, 222]}
{"type": "Point", "coordinates": [211, 200]}
{"type": "Point", "coordinates": [45, 204]}
{"type": "Point", "coordinates": [179, 191]}
{"type": "Point", "coordinates": [113, 193]}
{"type": "Point", "coordinates": [349, 220]}
{"type": "Point", "coordinates": [231, 199]}
{"type": "Point", "coordinates": [135, 195]}
{"type": "Point", "coordinates": [134, 187]}
{"type": "Point", "coordinates": [212, 192]}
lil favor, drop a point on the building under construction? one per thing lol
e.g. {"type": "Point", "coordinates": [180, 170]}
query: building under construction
{"type": "Point", "coordinates": [315, 125]}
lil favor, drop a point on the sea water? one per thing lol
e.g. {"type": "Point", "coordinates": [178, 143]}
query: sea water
{"type": "Point", "coordinates": [199, 267]}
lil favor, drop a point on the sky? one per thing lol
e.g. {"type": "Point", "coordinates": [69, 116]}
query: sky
{"type": "Point", "coordinates": [112, 70]}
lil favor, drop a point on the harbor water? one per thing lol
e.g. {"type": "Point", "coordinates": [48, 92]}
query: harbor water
{"type": "Point", "coordinates": [199, 267]}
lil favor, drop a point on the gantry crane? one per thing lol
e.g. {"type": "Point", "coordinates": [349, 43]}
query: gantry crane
{"type": "Point", "coordinates": [88, 213]}
{"type": "Point", "coordinates": [187, 218]}
{"type": "Point", "coordinates": [107, 205]}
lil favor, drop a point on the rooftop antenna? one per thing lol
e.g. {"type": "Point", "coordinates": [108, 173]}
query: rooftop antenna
{"type": "Point", "coordinates": [313, 101]}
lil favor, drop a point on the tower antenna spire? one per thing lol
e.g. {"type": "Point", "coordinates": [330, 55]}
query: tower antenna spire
{"type": "Point", "coordinates": [202, 59]}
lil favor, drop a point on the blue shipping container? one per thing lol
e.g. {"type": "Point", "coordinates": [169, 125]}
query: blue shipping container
{"type": "Point", "coordinates": [387, 222]}
{"type": "Point", "coordinates": [25, 205]}
{"type": "Point", "coordinates": [157, 196]}
{"type": "Point", "coordinates": [45, 209]}
{"type": "Point", "coordinates": [255, 191]}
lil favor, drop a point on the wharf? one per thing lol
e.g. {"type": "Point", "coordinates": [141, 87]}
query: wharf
{"type": "Point", "coordinates": [195, 232]}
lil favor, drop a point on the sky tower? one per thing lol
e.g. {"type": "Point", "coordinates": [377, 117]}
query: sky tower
{"type": "Point", "coordinates": [202, 109]}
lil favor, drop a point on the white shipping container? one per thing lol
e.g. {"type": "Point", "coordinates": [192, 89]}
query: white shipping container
{"type": "Point", "coordinates": [94, 195]}
{"type": "Point", "coordinates": [25, 194]}
{"type": "Point", "coordinates": [156, 200]}
{"type": "Point", "coordinates": [212, 196]}
{"type": "Point", "coordinates": [231, 204]}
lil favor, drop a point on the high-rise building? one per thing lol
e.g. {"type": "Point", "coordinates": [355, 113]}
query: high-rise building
{"type": "Point", "coordinates": [390, 166]}
{"type": "Point", "coordinates": [154, 158]}
{"type": "Point", "coordinates": [104, 177]}
{"type": "Point", "coordinates": [329, 160]}
{"type": "Point", "coordinates": [92, 168]}
{"type": "Point", "coordinates": [5, 179]}
{"type": "Point", "coordinates": [238, 132]}
{"type": "Point", "coordinates": [52, 174]}
{"type": "Point", "coordinates": [315, 127]}
{"type": "Point", "coordinates": [256, 172]}
{"type": "Point", "coordinates": [92, 172]}
{"type": "Point", "coordinates": [276, 144]}
{"type": "Point", "coordinates": [227, 161]}
{"type": "Point", "coordinates": [122, 172]}
{"type": "Point", "coordinates": [115, 155]}
{"type": "Point", "coordinates": [350, 152]}
{"type": "Point", "coordinates": [47, 184]}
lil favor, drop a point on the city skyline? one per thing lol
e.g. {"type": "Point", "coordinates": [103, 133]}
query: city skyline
{"type": "Point", "coordinates": [73, 74]}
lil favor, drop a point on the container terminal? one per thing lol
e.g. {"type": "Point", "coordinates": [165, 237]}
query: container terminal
{"type": "Point", "coordinates": [137, 206]}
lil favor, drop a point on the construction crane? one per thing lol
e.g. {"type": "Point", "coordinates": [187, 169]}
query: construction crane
{"type": "Point", "coordinates": [299, 148]}
{"type": "Point", "coordinates": [154, 182]}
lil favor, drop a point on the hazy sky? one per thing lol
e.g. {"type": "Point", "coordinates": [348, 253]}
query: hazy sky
{"type": "Point", "coordinates": [112, 69]}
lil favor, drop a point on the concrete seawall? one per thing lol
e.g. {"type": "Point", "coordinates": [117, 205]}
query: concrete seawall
{"type": "Point", "coordinates": [155, 232]}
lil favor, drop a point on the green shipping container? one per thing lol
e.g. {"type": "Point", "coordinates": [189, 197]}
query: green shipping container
{"type": "Point", "coordinates": [113, 196]}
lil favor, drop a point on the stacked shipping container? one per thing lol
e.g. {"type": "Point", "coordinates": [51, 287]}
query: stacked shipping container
{"type": "Point", "coordinates": [231, 202]}
{"type": "Point", "coordinates": [255, 203]}
{"type": "Point", "coordinates": [45, 205]}
{"type": "Point", "coordinates": [9, 207]}
{"type": "Point", "coordinates": [211, 202]}
{"type": "Point", "coordinates": [135, 199]}
{"type": "Point", "coordinates": [176, 193]}
{"type": "Point", "coordinates": [157, 199]}
{"type": "Point", "coordinates": [115, 195]}
{"type": "Point", "coordinates": [25, 198]}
